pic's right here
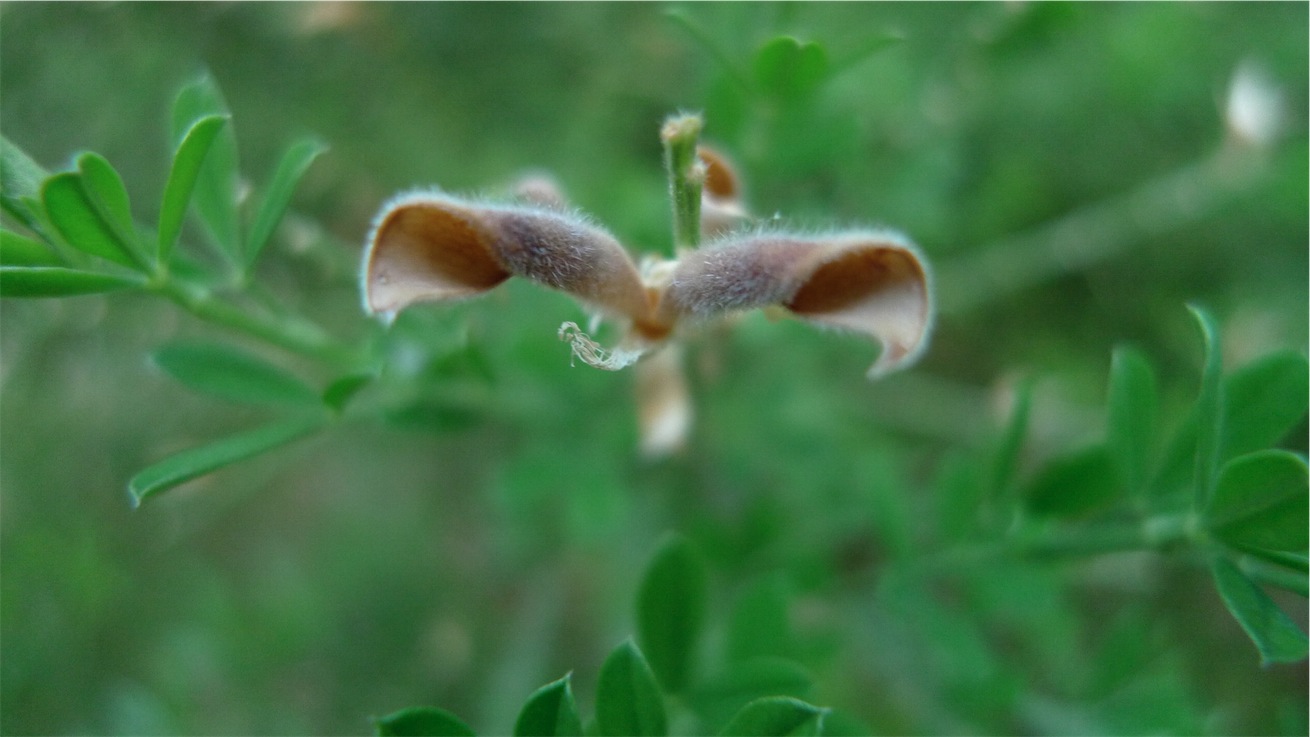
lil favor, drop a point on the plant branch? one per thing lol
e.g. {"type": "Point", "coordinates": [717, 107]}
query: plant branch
{"type": "Point", "coordinates": [286, 332]}
{"type": "Point", "coordinates": [1097, 232]}
{"type": "Point", "coordinates": [686, 177]}
{"type": "Point", "coordinates": [1061, 541]}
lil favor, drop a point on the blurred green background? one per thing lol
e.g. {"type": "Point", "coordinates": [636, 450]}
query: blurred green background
{"type": "Point", "coordinates": [1068, 168]}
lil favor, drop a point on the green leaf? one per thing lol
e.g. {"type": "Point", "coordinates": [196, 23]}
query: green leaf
{"type": "Point", "coordinates": [1133, 405]}
{"type": "Point", "coordinates": [1209, 410]}
{"type": "Point", "coordinates": [290, 169]}
{"type": "Point", "coordinates": [1262, 500]}
{"type": "Point", "coordinates": [628, 701]}
{"type": "Point", "coordinates": [1296, 561]}
{"type": "Point", "coordinates": [549, 712]}
{"type": "Point", "coordinates": [720, 697]}
{"type": "Point", "coordinates": [196, 462]}
{"type": "Point", "coordinates": [1007, 455]}
{"type": "Point", "coordinates": [340, 392]}
{"type": "Point", "coordinates": [228, 373]}
{"type": "Point", "coordinates": [182, 180]}
{"type": "Point", "coordinates": [77, 219]}
{"type": "Point", "coordinates": [1277, 638]}
{"type": "Point", "coordinates": [1276, 568]}
{"type": "Point", "coordinates": [421, 721]}
{"type": "Point", "coordinates": [215, 197]}
{"type": "Point", "coordinates": [872, 45]}
{"type": "Point", "coordinates": [1263, 401]}
{"type": "Point", "coordinates": [958, 493]}
{"type": "Point", "coordinates": [790, 69]}
{"type": "Point", "coordinates": [58, 281]}
{"type": "Point", "coordinates": [760, 623]}
{"type": "Point", "coordinates": [1074, 484]}
{"type": "Point", "coordinates": [776, 715]}
{"type": "Point", "coordinates": [20, 184]}
{"type": "Point", "coordinates": [671, 611]}
{"type": "Point", "coordinates": [19, 250]}
{"type": "Point", "coordinates": [104, 188]}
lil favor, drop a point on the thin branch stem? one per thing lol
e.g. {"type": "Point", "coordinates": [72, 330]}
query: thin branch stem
{"type": "Point", "coordinates": [1097, 232]}
{"type": "Point", "coordinates": [286, 332]}
{"type": "Point", "coordinates": [1152, 533]}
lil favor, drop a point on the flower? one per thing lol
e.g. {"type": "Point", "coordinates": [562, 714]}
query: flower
{"type": "Point", "coordinates": [428, 246]}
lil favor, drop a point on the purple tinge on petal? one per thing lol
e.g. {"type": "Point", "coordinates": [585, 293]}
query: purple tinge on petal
{"type": "Point", "coordinates": [428, 247]}
{"type": "Point", "coordinates": [870, 282]}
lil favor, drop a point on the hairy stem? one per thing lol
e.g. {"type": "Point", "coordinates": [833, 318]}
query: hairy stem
{"type": "Point", "coordinates": [686, 177]}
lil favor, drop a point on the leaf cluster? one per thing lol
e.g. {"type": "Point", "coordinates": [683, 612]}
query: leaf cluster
{"type": "Point", "coordinates": [944, 586]}
{"type": "Point", "coordinates": [644, 679]}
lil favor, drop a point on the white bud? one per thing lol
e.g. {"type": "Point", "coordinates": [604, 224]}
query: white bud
{"type": "Point", "coordinates": [1254, 109]}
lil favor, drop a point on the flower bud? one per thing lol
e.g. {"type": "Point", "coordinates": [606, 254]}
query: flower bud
{"type": "Point", "coordinates": [430, 247]}
{"type": "Point", "coordinates": [664, 410]}
{"type": "Point", "coordinates": [870, 282]}
{"type": "Point", "coordinates": [539, 188]}
{"type": "Point", "coordinates": [721, 208]}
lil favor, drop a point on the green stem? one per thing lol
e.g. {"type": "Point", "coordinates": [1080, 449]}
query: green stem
{"type": "Point", "coordinates": [686, 177]}
{"type": "Point", "coordinates": [1151, 533]}
{"type": "Point", "coordinates": [286, 332]}
{"type": "Point", "coordinates": [1097, 232]}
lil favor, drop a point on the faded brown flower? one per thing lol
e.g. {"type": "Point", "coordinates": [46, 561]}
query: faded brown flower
{"type": "Point", "coordinates": [432, 247]}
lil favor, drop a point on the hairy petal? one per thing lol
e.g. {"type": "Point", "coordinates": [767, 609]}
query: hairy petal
{"type": "Point", "coordinates": [430, 247]}
{"type": "Point", "coordinates": [872, 282]}
{"type": "Point", "coordinates": [664, 410]}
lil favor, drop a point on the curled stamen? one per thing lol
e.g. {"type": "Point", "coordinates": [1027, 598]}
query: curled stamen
{"type": "Point", "coordinates": [594, 354]}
